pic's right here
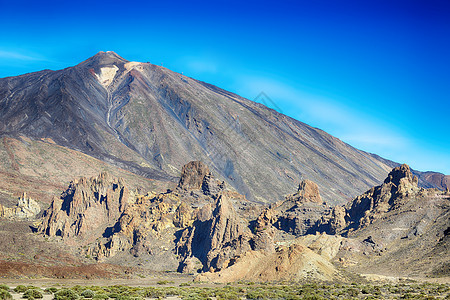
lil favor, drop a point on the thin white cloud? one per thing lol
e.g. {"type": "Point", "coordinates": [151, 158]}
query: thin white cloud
{"type": "Point", "coordinates": [16, 55]}
{"type": "Point", "coordinates": [360, 129]}
{"type": "Point", "coordinates": [357, 128]}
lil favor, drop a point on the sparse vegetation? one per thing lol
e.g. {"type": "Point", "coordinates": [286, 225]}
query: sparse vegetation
{"type": "Point", "coordinates": [32, 294]}
{"type": "Point", "coordinates": [50, 290]}
{"type": "Point", "coordinates": [20, 289]}
{"type": "Point", "coordinates": [66, 294]}
{"type": "Point", "coordinates": [87, 294]}
{"type": "Point", "coordinates": [5, 295]}
{"type": "Point", "coordinates": [4, 287]}
{"type": "Point", "coordinates": [242, 290]}
{"type": "Point", "coordinates": [162, 282]}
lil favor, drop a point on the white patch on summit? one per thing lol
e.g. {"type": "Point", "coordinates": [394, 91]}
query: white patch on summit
{"type": "Point", "coordinates": [106, 75]}
{"type": "Point", "coordinates": [134, 65]}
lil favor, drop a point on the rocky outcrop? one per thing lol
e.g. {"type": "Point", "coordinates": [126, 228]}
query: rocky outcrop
{"type": "Point", "coordinates": [195, 175]}
{"type": "Point", "coordinates": [26, 208]}
{"type": "Point", "coordinates": [333, 222]}
{"type": "Point", "coordinates": [399, 185]}
{"type": "Point", "coordinates": [145, 230]}
{"type": "Point", "coordinates": [297, 214]}
{"type": "Point", "coordinates": [85, 209]}
{"type": "Point", "coordinates": [220, 240]}
{"type": "Point", "coordinates": [215, 241]}
{"type": "Point", "coordinates": [192, 175]}
{"type": "Point", "coordinates": [308, 191]}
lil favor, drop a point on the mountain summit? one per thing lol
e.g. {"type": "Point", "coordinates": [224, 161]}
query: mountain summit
{"type": "Point", "coordinates": [151, 121]}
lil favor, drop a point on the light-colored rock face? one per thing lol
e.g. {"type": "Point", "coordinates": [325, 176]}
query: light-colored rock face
{"type": "Point", "coordinates": [26, 208]}
{"type": "Point", "coordinates": [292, 263]}
{"type": "Point", "coordinates": [107, 75]}
{"type": "Point", "coordinates": [134, 65]}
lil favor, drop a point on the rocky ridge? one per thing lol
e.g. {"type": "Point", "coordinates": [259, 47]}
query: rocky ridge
{"type": "Point", "coordinates": [85, 208]}
{"type": "Point", "coordinates": [203, 227]}
{"type": "Point", "coordinates": [399, 185]}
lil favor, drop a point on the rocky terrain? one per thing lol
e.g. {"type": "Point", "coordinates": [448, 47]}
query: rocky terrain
{"type": "Point", "coordinates": [203, 228]}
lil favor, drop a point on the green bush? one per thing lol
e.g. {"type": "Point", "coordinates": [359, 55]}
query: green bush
{"type": "Point", "coordinates": [5, 295]}
{"type": "Point", "coordinates": [100, 297]}
{"type": "Point", "coordinates": [65, 294]}
{"type": "Point", "coordinates": [4, 287]}
{"type": "Point", "coordinates": [185, 284]}
{"type": "Point", "coordinates": [129, 297]}
{"type": "Point", "coordinates": [50, 290]}
{"type": "Point", "coordinates": [353, 292]}
{"type": "Point", "coordinates": [32, 294]}
{"type": "Point", "coordinates": [255, 294]}
{"type": "Point", "coordinates": [20, 289]}
{"type": "Point", "coordinates": [87, 294]}
{"type": "Point", "coordinates": [162, 282]}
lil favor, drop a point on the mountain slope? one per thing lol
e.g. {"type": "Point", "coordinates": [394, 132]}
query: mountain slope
{"type": "Point", "coordinates": [151, 121]}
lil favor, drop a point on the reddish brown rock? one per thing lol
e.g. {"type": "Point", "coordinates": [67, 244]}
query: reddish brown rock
{"type": "Point", "coordinates": [308, 191]}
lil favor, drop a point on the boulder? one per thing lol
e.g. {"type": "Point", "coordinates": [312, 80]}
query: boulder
{"type": "Point", "coordinates": [308, 191]}
{"type": "Point", "coordinates": [193, 175]}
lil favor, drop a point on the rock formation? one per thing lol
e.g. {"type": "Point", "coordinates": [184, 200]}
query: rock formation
{"type": "Point", "coordinates": [297, 214]}
{"type": "Point", "coordinates": [86, 208]}
{"type": "Point", "coordinates": [397, 228]}
{"type": "Point", "coordinates": [200, 226]}
{"type": "Point", "coordinates": [215, 241]}
{"type": "Point", "coordinates": [192, 175]}
{"type": "Point", "coordinates": [26, 208]}
{"type": "Point", "coordinates": [373, 204]}
{"type": "Point", "coordinates": [308, 191]}
{"type": "Point", "coordinates": [145, 231]}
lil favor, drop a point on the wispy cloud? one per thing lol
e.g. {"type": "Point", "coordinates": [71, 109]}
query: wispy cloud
{"type": "Point", "coordinates": [357, 128]}
{"type": "Point", "coordinates": [17, 55]}
{"type": "Point", "coordinates": [361, 129]}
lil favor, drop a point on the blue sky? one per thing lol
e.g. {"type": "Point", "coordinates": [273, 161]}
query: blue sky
{"type": "Point", "coordinates": [375, 74]}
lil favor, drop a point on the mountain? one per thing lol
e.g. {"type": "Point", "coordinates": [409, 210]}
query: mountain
{"type": "Point", "coordinates": [150, 121]}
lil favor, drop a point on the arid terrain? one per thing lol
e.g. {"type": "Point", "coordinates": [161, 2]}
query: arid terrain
{"type": "Point", "coordinates": [118, 172]}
